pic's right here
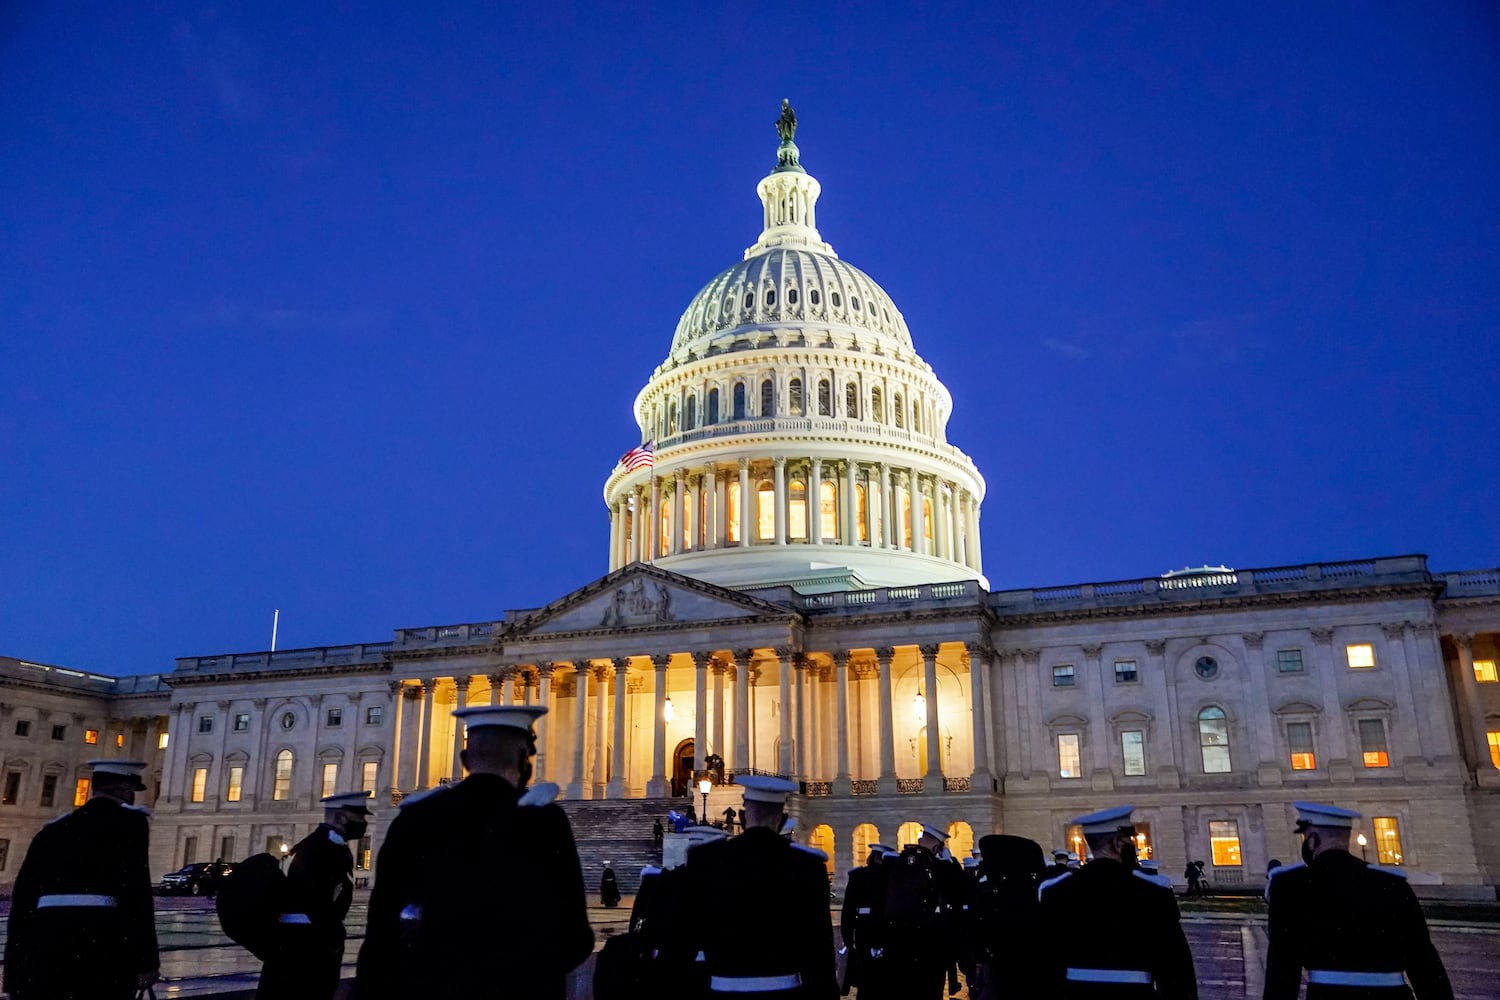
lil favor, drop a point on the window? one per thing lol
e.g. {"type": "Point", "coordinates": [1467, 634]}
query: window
{"type": "Point", "coordinates": [1372, 743]}
{"type": "Point", "coordinates": [23, 727]}
{"type": "Point", "coordinates": [1062, 675]}
{"type": "Point", "coordinates": [200, 783]}
{"type": "Point", "coordinates": [91, 736]}
{"type": "Point", "coordinates": [739, 401]}
{"type": "Point", "coordinates": [814, 296]}
{"type": "Point", "coordinates": [1213, 740]}
{"type": "Point", "coordinates": [834, 298]}
{"type": "Point", "coordinates": [828, 510]}
{"type": "Point", "coordinates": [713, 407]}
{"type": "Point", "coordinates": [1387, 840]}
{"type": "Point", "coordinates": [226, 847]}
{"type": "Point", "coordinates": [80, 791]}
{"type": "Point", "coordinates": [205, 723]}
{"type": "Point", "coordinates": [916, 417]}
{"type": "Point", "coordinates": [749, 300]}
{"type": "Point", "coordinates": [794, 390]}
{"type": "Point", "coordinates": [4, 854]}
{"type": "Point", "coordinates": [900, 413]}
{"type": "Point", "coordinates": [190, 850]}
{"type": "Point", "coordinates": [1224, 842]}
{"type": "Point", "coordinates": [161, 741]}
{"type": "Point", "coordinates": [672, 418]}
{"type": "Point", "coordinates": [49, 789]}
{"type": "Point", "coordinates": [1206, 667]}
{"type": "Point", "coordinates": [1067, 756]}
{"type": "Point", "coordinates": [1300, 742]}
{"type": "Point", "coordinates": [733, 514]}
{"type": "Point", "coordinates": [1133, 747]}
{"type": "Point", "coordinates": [12, 788]}
{"type": "Point", "coordinates": [825, 398]}
{"type": "Point", "coordinates": [1289, 661]}
{"type": "Point", "coordinates": [690, 414]}
{"type": "Point", "coordinates": [854, 302]}
{"type": "Point", "coordinates": [330, 780]}
{"type": "Point", "coordinates": [877, 412]}
{"type": "Point", "coordinates": [1494, 740]}
{"type": "Point", "coordinates": [282, 785]}
{"type": "Point", "coordinates": [861, 512]}
{"type": "Point", "coordinates": [851, 401]}
{"type": "Point", "coordinates": [59, 733]}
{"type": "Point", "coordinates": [765, 511]}
{"type": "Point", "coordinates": [288, 720]}
{"type": "Point", "coordinates": [119, 741]}
{"type": "Point", "coordinates": [791, 296]}
{"type": "Point", "coordinates": [797, 502]}
{"type": "Point", "coordinates": [1361, 655]}
{"type": "Point", "coordinates": [362, 858]}
{"type": "Point", "coordinates": [335, 718]}
{"type": "Point", "coordinates": [1125, 672]}
{"type": "Point", "coordinates": [236, 783]}
{"type": "Point", "coordinates": [767, 398]}
{"type": "Point", "coordinates": [241, 722]}
{"type": "Point", "coordinates": [369, 772]}
{"type": "Point", "coordinates": [1484, 671]}
{"type": "Point", "coordinates": [374, 715]}
{"type": "Point", "coordinates": [770, 296]}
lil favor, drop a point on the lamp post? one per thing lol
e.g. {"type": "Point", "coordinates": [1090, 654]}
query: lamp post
{"type": "Point", "coordinates": [704, 786]}
{"type": "Point", "coordinates": [1361, 841]}
{"type": "Point", "coordinates": [284, 851]}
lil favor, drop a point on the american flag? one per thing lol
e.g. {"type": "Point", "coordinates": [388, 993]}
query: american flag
{"type": "Point", "coordinates": [639, 458]}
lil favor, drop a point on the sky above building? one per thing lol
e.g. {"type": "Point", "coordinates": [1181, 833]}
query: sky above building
{"type": "Point", "coordinates": [341, 309]}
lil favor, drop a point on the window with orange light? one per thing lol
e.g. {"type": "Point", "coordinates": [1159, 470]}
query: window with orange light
{"type": "Point", "coordinates": [1484, 672]}
{"type": "Point", "coordinates": [81, 792]}
{"type": "Point", "coordinates": [1224, 842]}
{"type": "Point", "coordinates": [1372, 743]}
{"type": "Point", "coordinates": [91, 736]}
{"type": "Point", "coordinates": [1300, 742]}
{"type": "Point", "coordinates": [1360, 655]}
{"type": "Point", "coordinates": [1494, 739]}
{"type": "Point", "coordinates": [1388, 840]}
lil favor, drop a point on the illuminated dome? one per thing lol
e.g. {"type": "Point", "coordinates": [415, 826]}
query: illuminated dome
{"type": "Point", "coordinates": [798, 437]}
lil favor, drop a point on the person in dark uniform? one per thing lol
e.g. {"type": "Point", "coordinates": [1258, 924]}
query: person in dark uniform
{"type": "Point", "coordinates": [309, 951]}
{"type": "Point", "coordinates": [609, 887]}
{"type": "Point", "coordinates": [861, 917]}
{"type": "Point", "coordinates": [484, 870]}
{"type": "Point", "coordinates": [82, 926]}
{"type": "Point", "coordinates": [1060, 864]}
{"type": "Point", "coordinates": [1006, 940]}
{"type": "Point", "coordinates": [1132, 945]}
{"type": "Point", "coordinates": [772, 935]}
{"type": "Point", "coordinates": [919, 939]}
{"type": "Point", "coordinates": [1356, 927]}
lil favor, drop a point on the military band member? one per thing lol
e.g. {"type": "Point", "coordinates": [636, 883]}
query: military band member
{"type": "Point", "coordinates": [478, 891]}
{"type": "Point", "coordinates": [864, 899]}
{"type": "Point", "coordinates": [309, 951]}
{"type": "Point", "coordinates": [1355, 927]}
{"type": "Point", "coordinates": [1133, 945]}
{"type": "Point", "coordinates": [772, 934]}
{"type": "Point", "coordinates": [82, 926]}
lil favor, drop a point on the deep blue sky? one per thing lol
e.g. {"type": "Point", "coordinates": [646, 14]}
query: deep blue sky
{"type": "Point", "coordinates": [342, 311]}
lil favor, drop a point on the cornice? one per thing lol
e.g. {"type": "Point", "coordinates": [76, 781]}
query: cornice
{"type": "Point", "coordinates": [441, 652]}
{"type": "Point", "coordinates": [299, 673]}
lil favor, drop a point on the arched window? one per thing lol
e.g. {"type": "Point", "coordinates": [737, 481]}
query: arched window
{"type": "Point", "coordinates": [864, 835]}
{"type": "Point", "coordinates": [900, 413]}
{"type": "Point", "coordinates": [927, 522]}
{"type": "Point", "coordinates": [814, 296]}
{"type": "Point", "coordinates": [960, 839]}
{"type": "Point", "coordinates": [713, 407]}
{"type": "Point", "coordinates": [908, 834]}
{"type": "Point", "coordinates": [877, 412]}
{"type": "Point", "coordinates": [791, 296]}
{"type": "Point", "coordinates": [739, 401]}
{"type": "Point", "coordinates": [794, 390]}
{"type": "Point", "coordinates": [834, 298]}
{"type": "Point", "coordinates": [1213, 740]}
{"type": "Point", "coordinates": [749, 300]}
{"type": "Point", "coordinates": [765, 511]}
{"type": "Point", "coordinates": [797, 524]}
{"type": "Point", "coordinates": [767, 398]}
{"type": "Point", "coordinates": [828, 510]}
{"type": "Point", "coordinates": [690, 414]}
{"type": "Point", "coordinates": [862, 525]}
{"type": "Point", "coordinates": [734, 513]}
{"type": "Point", "coordinates": [851, 401]}
{"type": "Point", "coordinates": [671, 419]}
{"type": "Point", "coordinates": [281, 788]}
{"type": "Point", "coordinates": [821, 837]}
{"type": "Point", "coordinates": [825, 398]}
{"type": "Point", "coordinates": [687, 517]}
{"type": "Point", "coordinates": [916, 417]}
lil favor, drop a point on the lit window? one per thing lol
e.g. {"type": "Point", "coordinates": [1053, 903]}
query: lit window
{"type": "Point", "coordinates": [200, 783]}
{"type": "Point", "coordinates": [1125, 672]}
{"type": "Point", "coordinates": [861, 514]}
{"type": "Point", "coordinates": [825, 398]}
{"type": "Point", "coordinates": [1289, 661]}
{"type": "Point", "coordinates": [374, 715]}
{"type": "Point", "coordinates": [241, 722]}
{"type": "Point", "coordinates": [1224, 842]}
{"type": "Point", "coordinates": [161, 741]}
{"type": "Point", "coordinates": [205, 723]}
{"type": "Point", "coordinates": [80, 791]}
{"type": "Point", "coordinates": [282, 786]}
{"type": "Point", "coordinates": [1484, 671]}
{"type": "Point", "coordinates": [91, 736]}
{"type": "Point", "coordinates": [877, 413]}
{"type": "Point", "coordinates": [1387, 840]}
{"type": "Point", "coordinates": [1361, 655]}
{"type": "Point", "coordinates": [734, 513]}
{"type": "Point", "coordinates": [335, 718]}
{"type": "Point", "coordinates": [765, 511]}
{"type": "Point", "coordinates": [1062, 675]}
{"type": "Point", "coordinates": [1067, 756]}
{"type": "Point", "coordinates": [1133, 746]}
{"type": "Point", "coordinates": [1213, 740]}
{"type": "Point", "coordinates": [1494, 739]}
{"type": "Point", "coordinates": [828, 509]}
{"type": "Point", "coordinates": [12, 788]}
{"type": "Point", "coordinates": [797, 501]}
{"type": "Point", "coordinates": [119, 741]}
{"type": "Point", "coordinates": [1299, 742]}
{"type": "Point", "coordinates": [1372, 743]}
{"type": "Point", "coordinates": [369, 771]}
{"type": "Point", "coordinates": [330, 780]}
{"type": "Point", "coordinates": [927, 523]}
{"type": "Point", "coordinates": [236, 784]}
{"type": "Point", "coordinates": [794, 391]}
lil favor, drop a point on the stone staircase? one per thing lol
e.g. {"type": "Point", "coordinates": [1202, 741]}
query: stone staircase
{"type": "Point", "coordinates": [619, 831]}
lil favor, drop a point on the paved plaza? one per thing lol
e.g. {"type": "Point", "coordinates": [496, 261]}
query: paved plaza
{"type": "Point", "coordinates": [1228, 951]}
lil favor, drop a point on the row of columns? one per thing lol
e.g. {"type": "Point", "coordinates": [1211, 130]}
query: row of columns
{"type": "Point", "coordinates": [702, 499]}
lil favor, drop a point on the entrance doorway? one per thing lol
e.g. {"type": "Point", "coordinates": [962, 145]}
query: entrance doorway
{"type": "Point", "coordinates": [682, 769]}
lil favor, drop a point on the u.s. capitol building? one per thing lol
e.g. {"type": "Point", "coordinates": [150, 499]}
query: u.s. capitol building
{"type": "Point", "coordinates": [796, 586]}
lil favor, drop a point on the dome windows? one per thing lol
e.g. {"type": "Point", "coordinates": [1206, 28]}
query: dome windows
{"type": "Point", "coordinates": [749, 300]}
{"type": "Point", "coordinates": [877, 412]}
{"type": "Point", "coordinates": [854, 302]}
{"type": "Point", "coordinates": [825, 398]}
{"type": "Point", "coordinates": [851, 401]}
{"type": "Point", "coordinates": [794, 391]}
{"type": "Point", "coordinates": [767, 398]}
{"type": "Point", "coordinates": [899, 411]}
{"type": "Point", "coordinates": [770, 296]}
{"type": "Point", "coordinates": [836, 299]}
{"type": "Point", "coordinates": [690, 414]}
{"type": "Point", "coordinates": [791, 296]}
{"type": "Point", "coordinates": [814, 296]}
{"type": "Point", "coordinates": [728, 304]}
{"type": "Point", "coordinates": [712, 416]}
{"type": "Point", "coordinates": [739, 401]}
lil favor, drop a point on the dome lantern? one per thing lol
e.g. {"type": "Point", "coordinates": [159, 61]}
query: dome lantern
{"type": "Point", "coordinates": [790, 196]}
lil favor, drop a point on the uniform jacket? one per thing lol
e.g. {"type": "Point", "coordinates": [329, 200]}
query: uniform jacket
{"type": "Point", "coordinates": [475, 896]}
{"type": "Point", "coordinates": [1114, 918]}
{"type": "Point", "coordinates": [99, 848]}
{"type": "Point", "coordinates": [320, 880]}
{"type": "Point", "coordinates": [1341, 914]}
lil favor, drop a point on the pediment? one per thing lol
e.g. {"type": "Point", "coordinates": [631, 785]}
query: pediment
{"type": "Point", "coordinates": [1369, 705]}
{"type": "Point", "coordinates": [644, 596]}
{"type": "Point", "coordinates": [1067, 720]}
{"type": "Point", "coordinates": [1298, 708]}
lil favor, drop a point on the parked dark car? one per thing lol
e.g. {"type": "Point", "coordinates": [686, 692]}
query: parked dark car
{"type": "Point", "coordinates": [201, 879]}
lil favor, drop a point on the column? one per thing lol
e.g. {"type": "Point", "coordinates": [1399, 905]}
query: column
{"type": "Point", "coordinates": [815, 502]}
{"type": "Point", "coordinates": [940, 519]}
{"type": "Point", "coordinates": [841, 723]}
{"type": "Point", "coordinates": [784, 672]}
{"type": "Point", "coordinates": [781, 498]}
{"type": "Point", "coordinates": [700, 711]}
{"type": "Point", "coordinates": [850, 532]}
{"type": "Point", "coordinates": [799, 719]}
{"type": "Point", "coordinates": [978, 549]}
{"type": "Point", "coordinates": [1479, 753]}
{"type": "Point", "coordinates": [616, 788]}
{"type": "Point", "coordinates": [1413, 736]}
{"type": "Point", "coordinates": [743, 666]}
{"type": "Point", "coordinates": [518, 686]}
{"type": "Point", "coordinates": [460, 700]}
{"type": "Point", "coordinates": [979, 671]}
{"type": "Point", "coordinates": [653, 521]}
{"type": "Point", "coordinates": [746, 507]}
{"type": "Point", "coordinates": [580, 724]}
{"type": "Point", "coordinates": [411, 737]}
{"type": "Point", "coordinates": [614, 536]}
{"type": "Point", "coordinates": [813, 729]}
{"type": "Point", "coordinates": [718, 673]}
{"type": "Point", "coordinates": [398, 716]}
{"type": "Point", "coordinates": [601, 703]}
{"type": "Point", "coordinates": [1336, 729]}
{"type": "Point", "coordinates": [887, 734]}
{"type": "Point", "coordinates": [697, 534]}
{"type": "Point", "coordinates": [424, 747]}
{"type": "Point", "coordinates": [657, 787]}
{"type": "Point", "coordinates": [542, 726]}
{"type": "Point", "coordinates": [955, 529]}
{"type": "Point", "coordinates": [674, 518]}
{"type": "Point", "coordinates": [637, 523]}
{"type": "Point", "coordinates": [887, 511]}
{"type": "Point", "coordinates": [721, 510]}
{"type": "Point", "coordinates": [497, 685]}
{"type": "Point", "coordinates": [968, 531]}
{"type": "Point", "coordinates": [934, 734]}
{"type": "Point", "coordinates": [914, 495]}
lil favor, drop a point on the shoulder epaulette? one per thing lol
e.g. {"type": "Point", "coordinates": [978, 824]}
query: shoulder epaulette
{"type": "Point", "coordinates": [810, 850]}
{"type": "Point", "coordinates": [135, 808]}
{"type": "Point", "coordinates": [54, 819]}
{"type": "Point", "coordinates": [650, 870]}
{"type": "Point", "coordinates": [1389, 870]}
{"type": "Point", "coordinates": [422, 796]}
{"type": "Point", "coordinates": [1051, 882]}
{"type": "Point", "coordinates": [1161, 880]}
{"type": "Point", "coordinates": [1283, 869]}
{"type": "Point", "coordinates": [542, 794]}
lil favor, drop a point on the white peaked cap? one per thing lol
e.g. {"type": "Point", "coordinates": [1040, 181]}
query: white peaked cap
{"type": "Point", "coordinates": [511, 716]}
{"type": "Point", "coordinates": [356, 801]}
{"type": "Point", "coordinates": [1319, 814]}
{"type": "Point", "coordinates": [765, 788]}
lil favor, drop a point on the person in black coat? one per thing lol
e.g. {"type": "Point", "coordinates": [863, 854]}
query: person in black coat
{"type": "Point", "coordinates": [478, 890]}
{"type": "Point", "coordinates": [1007, 942]}
{"type": "Point", "coordinates": [82, 925]}
{"type": "Point", "coordinates": [1123, 932]}
{"type": "Point", "coordinates": [862, 916]}
{"type": "Point", "coordinates": [1356, 927]}
{"type": "Point", "coordinates": [309, 951]}
{"type": "Point", "coordinates": [609, 887]}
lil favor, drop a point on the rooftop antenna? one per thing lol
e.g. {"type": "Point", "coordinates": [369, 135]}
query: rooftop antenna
{"type": "Point", "coordinates": [275, 621]}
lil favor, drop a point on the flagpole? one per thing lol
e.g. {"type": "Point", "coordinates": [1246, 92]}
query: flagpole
{"type": "Point", "coordinates": [275, 620]}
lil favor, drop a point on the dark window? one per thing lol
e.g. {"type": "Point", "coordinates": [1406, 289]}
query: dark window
{"type": "Point", "coordinates": [288, 720]}
{"type": "Point", "coordinates": [851, 401]}
{"type": "Point", "coordinates": [4, 854]}
{"type": "Point", "coordinates": [205, 723]}
{"type": "Point", "coordinates": [23, 727]}
{"type": "Point", "coordinates": [190, 850]}
{"type": "Point", "coordinates": [672, 418]}
{"type": "Point", "coordinates": [335, 718]}
{"type": "Point", "coordinates": [241, 722]}
{"type": "Point", "coordinates": [1125, 672]}
{"type": "Point", "coordinates": [900, 413]}
{"type": "Point", "coordinates": [1207, 667]}
{"type": "Point", "coordinates": [713, 407]}
{"type": "Point", "coordinates": [226, 848]}
{"type": "Point", "coordinates": [749, 300]}
{"type": "Point", "coordinates": [1289, 661]}
{"type": "Point", "coordinates": [825, 398]}
{"type": "Point", "coordinates": [1062, 675]}
{"type": "Point", "coordinates": [49, 789]}
{"type": "Point", "coordinates": [374, 715]}
{"type": "Point", "coordinates": [690, 414]}
{"type": "Point", "coordinates": [767, 398]}
{"type": "Point", "coordinates": [835, 299]}
{"type": "Point", "coordinates": [814, 296]}
{"type": "Point", "coordinates": [12, 788]}
{"type": "Point", "coordinates": [770, 296]}
{"type": "Point", "coordinates": [877, 412]}
{"type": "Point", "coordinates": [59, 733]}
{"type": "Point", "coordinates": [854, 302]}
{"type": "Point", "coordinates": [794, 390]}
{"type": "Point", "coordinates": [739, 401]}
{"type": "Point", "coordinates": [791, 296]}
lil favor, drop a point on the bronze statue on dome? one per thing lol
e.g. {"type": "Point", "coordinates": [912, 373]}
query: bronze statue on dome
{"type": "Point", "coordinates": [786, 125]}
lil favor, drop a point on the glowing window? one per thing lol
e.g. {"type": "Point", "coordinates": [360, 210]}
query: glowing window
{"type": "Point", "coordinates": [1067, 756]}
{"type": "Point", "coordinates": [908, 833]}
{"type": "Point", "coordinates": [369, 771]}
{"type": "Point", "coordinates": [927, 522]}
{"type": "Point", "coordinates": [161, 741]}
{"type": "Point", "coordinates": [1062, 675]}
{"type": "Point", "coordinates": [1299, 743]}
{"type": "Point", "coordinates": [685, 518]}
{"type": "Point", "coordinates": [877, 412]}
{"type": "Point", "coordinates": [281, 787]}
{"type": "Point", "coordinates": [1289, 661]}
{"type": "Point", "coordinates": [851, 401]}
{"type": "Point", "coordinates": [80, 791]}
{"type": "Point", "coordinates": [119, 741]}
{"type": "Point", "coordinates": [1125, 672]}
{"type": "Point", "coordinates": [91, 736]}
{"type": "Point", "coordinates": [1133, 746]}
{"type": "Point", "coordinates": [330, 780]}
{"type": "Point", "coordinates": [663, 533]}
{"type": "Point", "coordinates": [1387, 840]}
{"type": "Point", "coordinates": [862, 527]}
{"type": "Point", "coordinates": [733, 512]}
{"type": "Point", "coordinates": [1213, 740]}
{"type": "Point", "coordinates": [1224, 842]}
{"type": "Point", "coordinates": [236, 784]}
{"type": "Point", "coordinates": [828, 510]}
{"type": "Point", "coordinates": [1361, 655]}
{"type": "Point", "coordinates": [765, 511]}
{"type": "Point", "coordinates": [797, 522]}
{"type": "Point", "coordinates": [1484, 671]}
{"type": "Point", "coordinates": [864, 835]}
{"type": "Point", "coordinates": [825, 398]}
{"type": "Point", "coordinates": [200, 783]}
{"type": "Point", "coordinates": [900, 413]}
{"type": "Point", "coordinates": [1494, 739]}
{"type": "Point", "coordinates": [1372, 744]}
{"type": "Point", "coordinates": [767, 398]}
{"type": "Point", "coordinates": [902, 528]}
{"type": "Point", "coordinates": [794, 392]}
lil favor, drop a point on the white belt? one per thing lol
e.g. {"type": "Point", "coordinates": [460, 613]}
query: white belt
{"type": "Point", "coordinates": [754, 984]}
{"type": "Point", "coordinates": [75, 899]}
{"type": "Point", "coordinates": [1109, 976]}
{"type": "Point", "coordinates": [294, 918]}
{"type": "Point", "coordinates": [1339, 977]}
{"type": "Point", "coordinates": [863, 911]}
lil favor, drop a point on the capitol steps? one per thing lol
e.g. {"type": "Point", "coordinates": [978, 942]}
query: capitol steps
{"type": "Point", "coordinates": [619, 831]}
